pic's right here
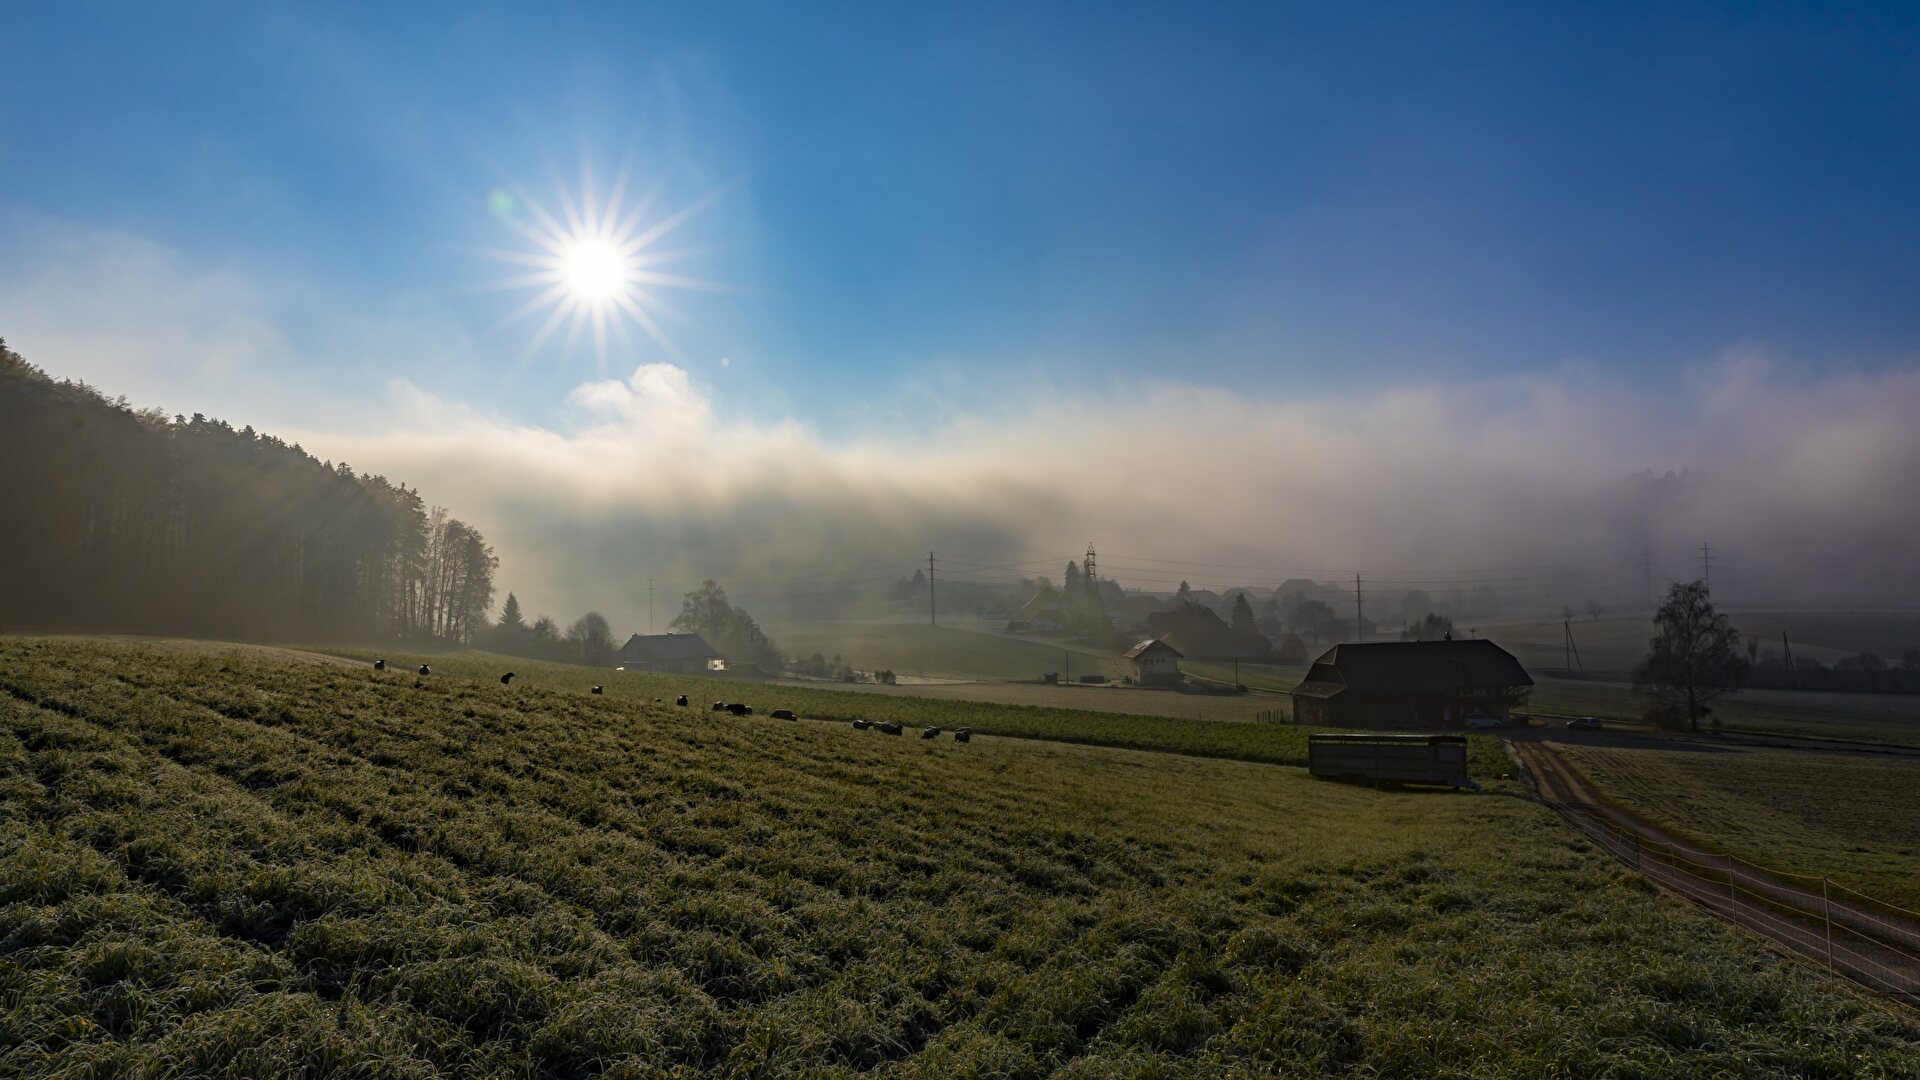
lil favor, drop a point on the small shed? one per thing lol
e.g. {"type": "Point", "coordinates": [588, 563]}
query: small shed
{"type": "Point", "coordinates": [1155, 663]}
{"type": "Point", "coordinates": [1390, 759]}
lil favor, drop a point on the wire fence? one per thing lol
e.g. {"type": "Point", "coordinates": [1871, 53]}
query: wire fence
{"type": "Point", "coordinates": [1868, 941]}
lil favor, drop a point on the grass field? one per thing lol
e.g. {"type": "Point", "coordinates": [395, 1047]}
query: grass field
{"type": "Point", "coordinates": [967, 651]}
{"type": "Point", "coordinates": [923, 706]}
{"type": "Point", "coordinates": [232, 864]}
{"type": "Point", "coordinates": [1849, 817]}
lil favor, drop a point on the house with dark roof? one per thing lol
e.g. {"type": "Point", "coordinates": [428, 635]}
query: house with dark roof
{"type": "Point", "coordinates": [1155, 663]}
{"type": "Point", "coordinates": [676, 654]}
{"type": "Point", "coordinates": [1410, 684]}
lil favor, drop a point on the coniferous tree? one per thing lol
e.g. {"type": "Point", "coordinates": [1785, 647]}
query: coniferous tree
{"type": "Point", "coordinates": [125, 519]}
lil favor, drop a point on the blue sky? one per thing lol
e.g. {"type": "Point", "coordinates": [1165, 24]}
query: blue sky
{"type": "Point", "coordinates": [1004, 278]}
{"type": "Point", "coordinates": [1272, 197]}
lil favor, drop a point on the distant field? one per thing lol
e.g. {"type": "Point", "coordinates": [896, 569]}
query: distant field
{"type": "Point", "coordinates": [1876, 718]}
{"type": "Point", "coordinates": [1849, 817]}
{"type": "Point", "coordinates": [221, 862]}
{"type": "Point", "coordinates": [947, 707]}
{"type": "Point", "coordinates": [968, 651]}
{"type": "Point", "coordinates": [1616, 645]}
{"type": "Point", "coordinates": [1277, 677]}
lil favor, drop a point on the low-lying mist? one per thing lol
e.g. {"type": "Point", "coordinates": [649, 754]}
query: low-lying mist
{"type": "Point", "coordinates": [1804, 487]}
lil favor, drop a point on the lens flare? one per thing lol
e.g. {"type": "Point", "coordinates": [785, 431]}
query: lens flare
{"type": "Point", "coordinates": [595, 266]}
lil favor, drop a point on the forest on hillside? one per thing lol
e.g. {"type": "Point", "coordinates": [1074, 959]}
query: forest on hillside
{"type": "Point", "coordinates": [121, 519]}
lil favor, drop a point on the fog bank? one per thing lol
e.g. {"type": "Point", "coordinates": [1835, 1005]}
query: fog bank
{"type": "Point", "coordinates": [1804, 487]}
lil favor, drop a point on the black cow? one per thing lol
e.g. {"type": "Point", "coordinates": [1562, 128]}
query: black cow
{"type": "Point", "coordinates": [507, 679]}
{"type": "Point", "coordinates": [379, 665]}
{"type": "Point", "coordinates": [784, 714]}
{"type": "Point", "coordinates": [425, 670]}
{"type": "Point", "coordinates": [681, 700]}
{"type": "Point", "coordinates": [890, 728]}
{"type": "Point", "coordinates": [596, 690]}
{"type": "Point", "coordinates": [965, 734]}
{"type": "Point", "coordinates": [862, 725]}
{"type": "Point", "coordinates": [719, 706]}
{"type": "Point", "coordinates": [739, 709]}
{"type": "Point", "coordinates": [930, 733]}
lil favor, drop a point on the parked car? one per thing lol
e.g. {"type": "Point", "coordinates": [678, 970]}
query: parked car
{"type": "Point", "coordinates": [1586, 723]}
{"type": "Point", "coordinates": [1483, 722]}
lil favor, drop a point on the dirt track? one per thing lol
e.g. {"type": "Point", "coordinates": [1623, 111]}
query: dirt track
{"type": "Point", "coordinates": [1875, 948]}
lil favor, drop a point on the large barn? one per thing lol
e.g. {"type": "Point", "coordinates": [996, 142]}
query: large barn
{"type": "Point", "coordinates": [675, 654]}
{"type": "Point", "coordinates": [1409, 684]}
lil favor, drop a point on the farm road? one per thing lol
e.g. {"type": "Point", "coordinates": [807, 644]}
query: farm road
{"type": "Point", "coordinates": [1877, 948]}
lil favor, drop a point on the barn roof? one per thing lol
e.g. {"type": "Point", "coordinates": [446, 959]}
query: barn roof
{"type": "Point", "coordinates": [1315, 689]}
{"type": "Point", "coordinates": [1144, 647]}
{"type": "Point", "coordinates": [1412, 667]}
{"type": "Point", "coordinates": [647, 648]}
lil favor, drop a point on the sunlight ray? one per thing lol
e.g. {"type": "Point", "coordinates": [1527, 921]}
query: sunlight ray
{"type": "Point", "coordinates": [592, 267]}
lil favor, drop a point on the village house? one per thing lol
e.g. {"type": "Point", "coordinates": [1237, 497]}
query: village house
{"type": "Point", "coordinates": [1155, 663]}
{"type": "Point", "coordinates": [1410, 684]}
{"type": "Point", "coordinates": [673, 654]}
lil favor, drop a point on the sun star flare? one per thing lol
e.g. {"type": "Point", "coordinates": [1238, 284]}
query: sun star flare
{"type": "Point", "coordinates": [594, 266]}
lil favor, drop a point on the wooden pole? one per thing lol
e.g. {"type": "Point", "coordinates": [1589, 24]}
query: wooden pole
{"type": "Point", "coordinates": [1826, 910]}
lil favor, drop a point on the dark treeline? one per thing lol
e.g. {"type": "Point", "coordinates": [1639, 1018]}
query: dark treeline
{"type": "Point", "coordinates": [113, 518]}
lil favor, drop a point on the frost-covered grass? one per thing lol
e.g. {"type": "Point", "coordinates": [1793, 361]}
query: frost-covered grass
{"type": "Point", "coordinates": [237, 865]}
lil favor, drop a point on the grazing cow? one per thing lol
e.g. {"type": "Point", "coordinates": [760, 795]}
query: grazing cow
{"type": "Point", "coordinates": [425, 670]}
{"type": "Point", "coordinates": [719, 706]}
{"type": "Point", "coordinates": [890, 728]}
{"type": "Point", "coordinates": [930, 733]}
{"type": "Point", "coordinates": [596, 689]}
{"type": "Point", "coordinates": [507, 679]}
{"type": "Point", "coordinates": [862, 725]}
{"type": "Point", "coordinates": [784, 714]}
{"type": "Point", "coordinates": [379, 665]}
{"type": "Point", "coordinates": [739, 709]}
{"type": "Point", "coordinates": [681, 700]}
{"type": "Point", "coordinates": [965, 734]}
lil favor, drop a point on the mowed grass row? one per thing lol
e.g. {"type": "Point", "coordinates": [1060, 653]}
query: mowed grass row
{"type": "Point", "coordinates": [1276, 743]}
{"type": "Point", "coordinates": [227, 865]}
{"type": "Point", "coordinates": [1849, 817]}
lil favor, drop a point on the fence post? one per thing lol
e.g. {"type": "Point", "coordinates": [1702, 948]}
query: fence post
{"type": "Point", "coordinates": [1826, 911]}
{"type": "Point", "coordinates": [1730, 897]}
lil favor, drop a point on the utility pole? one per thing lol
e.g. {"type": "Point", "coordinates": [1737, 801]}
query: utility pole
{"type": "Point", "coordinates": [1787, 647]}
{"type": "Point", "coordinates": [1646, 569]}
{"type": "Point", "coordinates": [649, 607]}
{"type": "Point", "coordinates": [1359, 620]}
{"type": "Point", "coordinates": [932, 615]}
{"type": "Point", "coordinates": [1706, 565]}
{"type": "Point", "coordinates": [1573, 651]}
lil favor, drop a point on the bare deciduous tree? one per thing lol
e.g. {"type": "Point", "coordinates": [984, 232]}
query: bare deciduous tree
{"type": "Point", "coordinates": [1692, 661]}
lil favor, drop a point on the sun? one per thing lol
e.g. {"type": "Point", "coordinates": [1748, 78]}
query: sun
{"type": "Point", "coordinates": [596, 265]}
{"type": "Point", "coordinates": [593, 270]}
